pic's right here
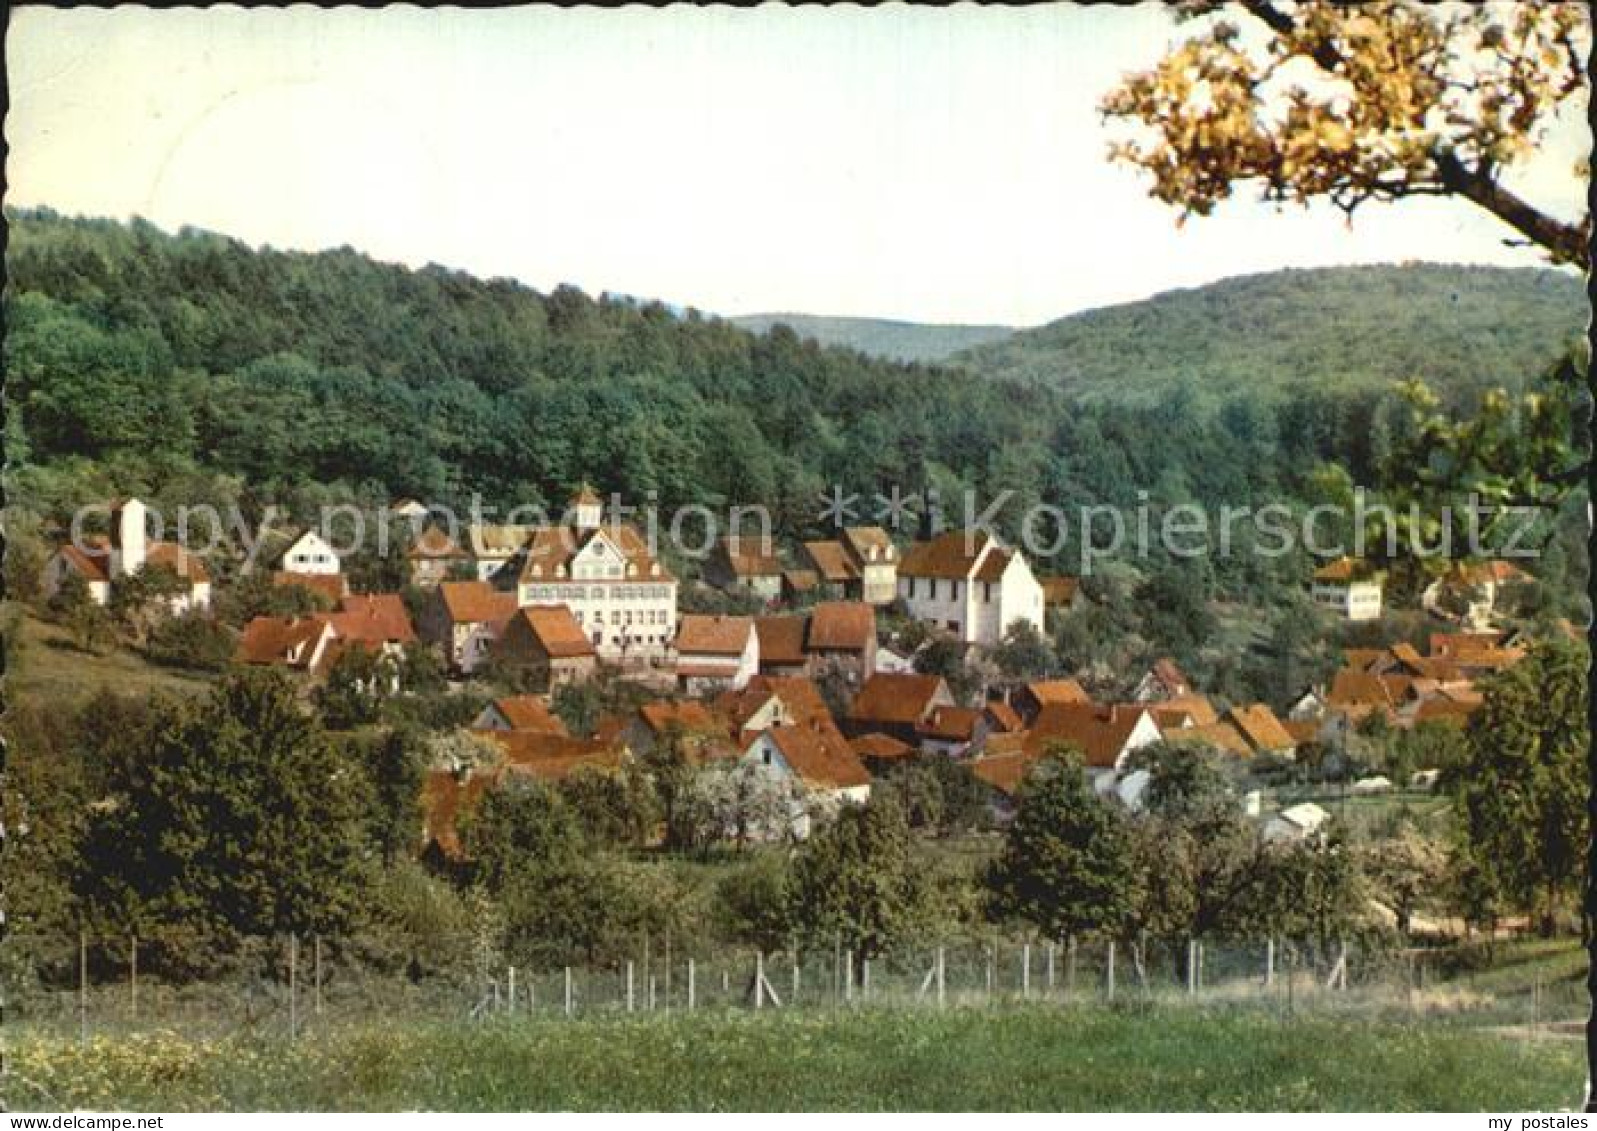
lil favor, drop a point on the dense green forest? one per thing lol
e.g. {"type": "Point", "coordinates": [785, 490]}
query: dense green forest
{"type": "Point", "coordinates": [192, 368]}
{"type": "Point", "coordinates": [881, 337]}
{"type": "Point", "coordinates": [1341, 329]}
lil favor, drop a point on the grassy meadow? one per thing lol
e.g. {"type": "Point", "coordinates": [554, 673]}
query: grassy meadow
{"type": "Point", "coordinates": [1016, 1058]}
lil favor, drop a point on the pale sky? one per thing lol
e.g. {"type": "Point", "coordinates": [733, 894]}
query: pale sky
{"type": "Point", "coordinates": [927, 164]}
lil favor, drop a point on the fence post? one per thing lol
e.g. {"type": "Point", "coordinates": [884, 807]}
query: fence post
{"type": "Point", "coordinates": [1200, 965]}
{"type": "Point", "coordinates": [759, 979]}
{"type": "Point", "coordinates": [795, 976]}
{"type": "Point", "coordinates": [568, 991]}
{"type": "Point", "coordinates": [942, 997]}
{"type": "Point", "coordinates": [1070, 967]}
{"type": "Point", "coordinates": [133, 974]}
{"type": "Point", "coordinates": [83, 988]}
{"type": "Point", "coordinates": [992, 955]}
{"type": "Point", "coordinates": [1025, 971]}
{"type": "Point", "coordinates": [1269, 963]}
{"type": "Point", "coordinates": [1050, 965]}
{"type": "Point", "coordinates": [629, 985]}
{"type": "Point", "coordinates": [293, 986]}
{"type": "Point", "coordinates": [1111, 970]}
{"type": "Point", "coordinates": [510, 978]}
{"type": "Point", "coordinates": [690, 985]}
{"type": "Point", "coordinates": [848, 976]}
{"type": "Point", "coordinates": [1192, 967]}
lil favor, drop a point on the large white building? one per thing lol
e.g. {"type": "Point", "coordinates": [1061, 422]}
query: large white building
{"type": "Point", "coordinates": [971, 585]}
{"type": "Point", "coordinates": [622, 597]}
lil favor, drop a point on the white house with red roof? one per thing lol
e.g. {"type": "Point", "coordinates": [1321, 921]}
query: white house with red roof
{"type": "Point", "coordinates": [970, 584]}
{"type": "Point", "coordinates": [99, 561]}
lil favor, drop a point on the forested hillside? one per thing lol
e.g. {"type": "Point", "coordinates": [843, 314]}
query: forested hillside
{"type": "Point", "coordinates": [191, 367]}
{"type": "Point", "coordinates": [1339, 329]}
{"type": "Point", "coordinates": [881, 337]}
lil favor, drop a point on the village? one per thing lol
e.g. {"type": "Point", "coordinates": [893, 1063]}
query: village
{"type": "Point", "coordinates": [822, 690]}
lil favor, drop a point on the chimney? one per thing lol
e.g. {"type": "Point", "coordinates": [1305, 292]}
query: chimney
{"type": "Point", "coordinates": [128, 530]}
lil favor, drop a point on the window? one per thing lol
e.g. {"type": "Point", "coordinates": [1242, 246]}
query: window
{"type": "Point", "coordinates": [987, 592]}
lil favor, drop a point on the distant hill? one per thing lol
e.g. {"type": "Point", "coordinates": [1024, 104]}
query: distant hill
{"type": "Point", "coordinates": [880, 337]}
{"type": "Point", "coordinates": [1459, 328]}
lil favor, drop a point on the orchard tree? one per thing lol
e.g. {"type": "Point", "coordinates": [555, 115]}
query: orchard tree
{"type": "Point", "coordinates": [1521, 790]}
{"type": "Point", "coordinates": [857, 882]}
{"type": "Point", "coordinates": [1406, 869]}
{"type": "Point", "coordinates": [1385, 101]}
{"type": "Point", "coordinates": [239, 816]}
{"type": "Point", "coordinates": [1024, 653]}
{"type": "Point", "coordinates": [523, 824]}
{"type": "Point", "coordinates": [1352, 103]}
{"type": "Point", "coordinates": [1066, 864]}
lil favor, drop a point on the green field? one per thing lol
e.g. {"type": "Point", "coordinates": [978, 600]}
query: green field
{"type": "Point", "coordinates": [1020, 1058]}
{"type": "Point", "coordinates": [46, 664]}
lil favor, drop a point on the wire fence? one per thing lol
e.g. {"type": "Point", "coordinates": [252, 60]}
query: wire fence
{"type": "Point", "coordinates": [293, 986]}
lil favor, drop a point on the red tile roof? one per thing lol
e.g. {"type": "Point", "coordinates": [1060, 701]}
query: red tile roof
{"type": "Point", "coordinates": [548, 551]}
{"type": "Point", "coordinates": [1170, 712]}
{"type": "Point", "coordinates": [820, 756]}
{"type": "Point", "coordinates": [882, 746]}
{"type": "Point", "coordinates": [1258, 724]}
{"type": "Point", "coordinates": [475, 602]}
{"type": "Point", "coordinates": [271, 640]}
{"type": "Point", "coordinates": [781, 639]}
{"type": "Point", "coordinates": [333, 586]}
{"type": "Point", "coordinates": [434, 543]}
{"type": "Point", "coordinates": [1048, 691]}
{"type": "Point", "coordinates": [950, 555]}
{"type": "Point", "coordinates": [556, 630]}
{"type": "Point", "coordinates": [1005, 718]}
{"type": "Point", "coordinates": [689, 715]}
{"type": "Point", "coordinates": [178, 560]}
{"type": "Point", "coordinates": [92, 561]}
{"type": "Point", "coordinates": [553, 756]}
{"type": "Point", "coordinates": [701, 635]}
{"type": "Point", "coordinates": [751, 556]}
{"type": "Point", "coordinates": [375, 618]}
{"type": "Point", "coordinates": [529, 712]}
{"type": "Point", "coordinates": [1221, 736]}
{"type": "Point", "coordinates": [1344, 570]}
{"type": "Point", "coordinates": [949, 724]}
{"type": "Point", "coordinates": [1172, 677]}
{"type": "Point", "coordinates": [1099, 731]}
{"type": "Point", "coordinates": [993, 565]}
{"type": "Point", "coordinates": [897, 698]}
{"type": "Point", "coordinates": [832, 562]}
{"type": "Point", "coordinates": [842, 626]}
{"type": "Point", "coordinates": [797, 694]}
{"type": "Point", "coordinates": [869, 544]}
{"type": "Point", "coordinates": [1004, 770]}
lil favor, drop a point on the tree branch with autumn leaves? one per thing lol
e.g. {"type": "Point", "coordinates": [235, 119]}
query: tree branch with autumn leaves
{"type": "Point", "coordinates": [1353, 103]}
